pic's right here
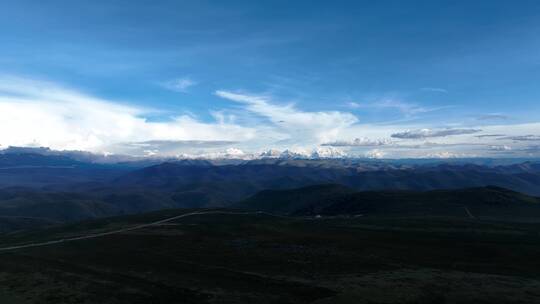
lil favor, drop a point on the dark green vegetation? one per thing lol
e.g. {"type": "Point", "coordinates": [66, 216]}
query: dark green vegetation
{"type": "Point", "coordinates": [258, 258]}
{"type": "Point", "coordinates": [482, 203]}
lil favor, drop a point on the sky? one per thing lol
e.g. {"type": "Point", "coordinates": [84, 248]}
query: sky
{"type": "Point", "coordinates": [380, 79]}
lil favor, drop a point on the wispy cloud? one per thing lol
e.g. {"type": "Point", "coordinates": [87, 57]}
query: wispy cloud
{"type": "Point", "coordinates": [532, 149]}
{"type": "Point", "coordinates": [172, 144]}
{"type": "Point", "coordinates": [426, 133]}
{"type": "Point", "coordinates": [359, 142]}
{"type": "Point", "coordinates": [179, 84]}
{"type": "Point", "coordinates": [493, 116]}
{"type": "Point", "coordinates": [300, 125]}
{"type": "Point", "coordinates": [521, 138]}
{"type": "Point", "coordinates": [171, 147]}
{"type": "Point", "coordinates": [406, 108]}
{"type": "Point", "coordinates": [489, 135]}
{"type": "Point", "coordinates": [436, 90]}
{"type": "Point", "coordinates": [435, 145]}
{"type": "Point", "coordinates": [354, 105]}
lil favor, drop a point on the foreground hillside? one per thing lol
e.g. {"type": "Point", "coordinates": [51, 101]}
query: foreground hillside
{"type": "Point", "coordinates": [259, 258]}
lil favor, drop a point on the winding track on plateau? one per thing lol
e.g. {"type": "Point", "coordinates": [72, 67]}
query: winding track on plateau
{"type": "Point", "coordinates": [97, 235]}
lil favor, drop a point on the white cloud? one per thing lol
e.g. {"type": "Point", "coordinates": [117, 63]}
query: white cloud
{"type": "Point", "coordinates": [171, 147]}
{"type": "Point", "coordinates": [42, 113]}
{"type": "Point", "coordinates": [295, 153]}
{"type": "Point", "coordinates": [376, 153]}
{"type": "Point", "coordinates": [426, 133]}
{"type": "Point", "coordinates": [179, 84]}
{"type": "Point", "coordinates": [359, 142]}
{"type": "Point", "coordinates": [230, 153]}
{"type": "Point", "coordinates": [447, 154]}
{"type": "Point", "coordinates": [301, 126]}
{"type": "Point", "coordinates": [500, 148]}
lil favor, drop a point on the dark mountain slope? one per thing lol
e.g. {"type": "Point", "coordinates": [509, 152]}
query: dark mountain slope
{"type": "Point", "coordinates": [63, 206]}
{"type": "Point", "coordinates": [271, 176]}
{"type": "Point", "coordinates": [293, 200]}
{"type": "Point", "coordinates": [36, 160]}
{"type": "Point", "coordinates": [228, 183]}
{"type": "Point", "coordinates": [58, 206]}
{"type": "Point", "coordinates": [491, 202]}
{"type": "Point", "coordinates": [57, 171]}
{"type": "Point", "coordinates": [171, 174]}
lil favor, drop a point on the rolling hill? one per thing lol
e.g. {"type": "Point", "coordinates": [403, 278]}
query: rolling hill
{"type": "Point", "coordinates": [485, 202]}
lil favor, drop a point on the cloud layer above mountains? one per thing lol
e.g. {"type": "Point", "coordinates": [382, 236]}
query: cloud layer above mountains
{"type": "Point", "coordinates": [427, 133]}
{"type": "Point", "coordinates": [40, 113]}
{"type": "Point", "coordinates": [36, 113]}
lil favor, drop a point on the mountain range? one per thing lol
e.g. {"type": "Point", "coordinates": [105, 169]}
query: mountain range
{"type": "Point", "coordinates": [45, 185]}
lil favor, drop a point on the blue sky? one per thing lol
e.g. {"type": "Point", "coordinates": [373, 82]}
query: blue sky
{"type": "Point", "coordinates": [207, 76]}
